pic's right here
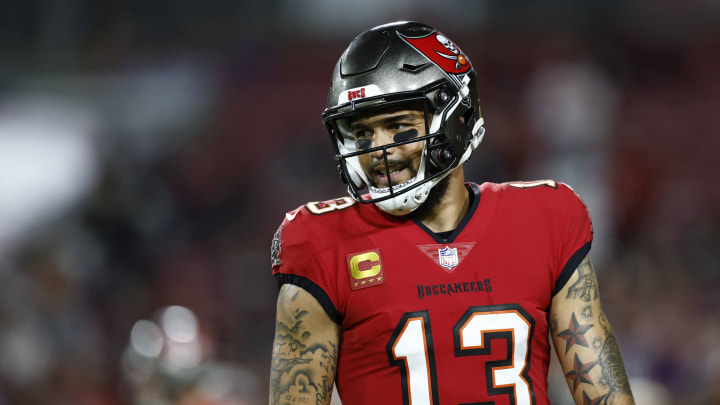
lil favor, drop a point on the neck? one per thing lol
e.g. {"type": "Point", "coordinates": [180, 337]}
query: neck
{"type": "Point", "coordinates": [447, 214]}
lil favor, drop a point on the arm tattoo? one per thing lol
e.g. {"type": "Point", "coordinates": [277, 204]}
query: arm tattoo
{"type": "Point", "coordinates": [585, 287]}
{"type": "Point", "coordinates": [300, 365]}
{"type": "Point", "coordinates": [594, 343]}
{"type": "Point", "coordinates": [580, 373]}
{"type": "Point", "coordinates": [593, 401]}
{"type": "Point", "coordinates": [613, 369]}
{"type": "Point", "coordinates": [575, 334]}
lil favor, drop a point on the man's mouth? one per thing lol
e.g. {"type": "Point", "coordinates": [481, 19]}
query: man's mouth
{"type": "Point", "coordinates": [399, 173]}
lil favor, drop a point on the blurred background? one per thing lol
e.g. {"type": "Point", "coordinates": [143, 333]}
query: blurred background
{"type": "Point", "coordinates": [149, 149]}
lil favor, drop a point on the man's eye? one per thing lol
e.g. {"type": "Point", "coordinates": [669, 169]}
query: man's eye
{"type": "Point", "coordinates": [398, 126]}
{"type": "Point", "coordinates": [363, 139]}
{"type": "Point", "coordinates": [363, 143]}
{"type": "Point", "coordinates": [362, 133]}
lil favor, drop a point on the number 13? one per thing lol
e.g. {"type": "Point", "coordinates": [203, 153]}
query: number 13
{"type": "Point", "coordinates": [411, 349]}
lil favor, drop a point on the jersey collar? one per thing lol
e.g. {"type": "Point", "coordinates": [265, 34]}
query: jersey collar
{"type": "Point", "coordinates": [474, 191]}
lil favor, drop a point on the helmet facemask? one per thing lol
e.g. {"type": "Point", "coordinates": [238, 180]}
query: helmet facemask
{"type": "Point", "coordinates": [440, 106]}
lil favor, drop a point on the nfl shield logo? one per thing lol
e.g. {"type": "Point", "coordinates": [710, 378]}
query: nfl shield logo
{"type": "Point", "coordinates": [448, 257]}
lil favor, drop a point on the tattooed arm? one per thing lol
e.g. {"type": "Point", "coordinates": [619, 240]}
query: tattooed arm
{"type": "Point", "coordinates": [305, 350]}
{"type": "Point", "coordinates": [585, 343]}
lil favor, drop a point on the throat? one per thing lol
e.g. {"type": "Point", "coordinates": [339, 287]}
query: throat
{"type": "Point", "coordinates": [444, 211]}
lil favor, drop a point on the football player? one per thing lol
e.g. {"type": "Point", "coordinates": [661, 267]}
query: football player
{"type": "Point", "coordinates": [420, 288]}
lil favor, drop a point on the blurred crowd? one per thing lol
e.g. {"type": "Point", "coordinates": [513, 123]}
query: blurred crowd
{"type": "Point", "coordinates": [149, 151]}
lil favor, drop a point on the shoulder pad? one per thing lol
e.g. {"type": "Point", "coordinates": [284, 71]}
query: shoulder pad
{"type": "Point", "coordinates": [532, 184]}
{"type": "Point", "coordinates": [311, 209]}
{"type": "Point", "coordinates": [551, 194]}
{"type": "Point", "coordinates": [328, 206]}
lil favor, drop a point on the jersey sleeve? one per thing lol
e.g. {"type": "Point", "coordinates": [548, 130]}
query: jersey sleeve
{"type": "Point", "coordinates": [295, 260]}
{"type": "Point", "coordinates": [575, 238]}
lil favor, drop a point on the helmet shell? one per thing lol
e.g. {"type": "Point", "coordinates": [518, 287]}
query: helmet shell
{"type": "Point", "coordinates": [380, 57]}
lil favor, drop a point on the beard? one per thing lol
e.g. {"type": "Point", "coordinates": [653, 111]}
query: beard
{"type": "Point", "coordinates": [434, 198]}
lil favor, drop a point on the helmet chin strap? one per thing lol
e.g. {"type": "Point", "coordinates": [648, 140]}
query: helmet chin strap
{"type": "Point", "coordinates": [408, 202]}
{"type": "Point", "coordinates": [401, 204]}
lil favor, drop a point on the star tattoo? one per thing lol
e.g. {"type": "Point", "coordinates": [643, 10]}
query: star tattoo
{"type": "Point", "coordinates": [594, 401]}
{"type": "Point", "coordinates": [579, 373]}
{"type": "Point", "coordinates": [575, 334]}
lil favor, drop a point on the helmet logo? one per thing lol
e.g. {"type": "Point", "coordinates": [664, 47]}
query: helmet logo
{"type": "Point", "coordinates": [356, 94]}
{"type": "Point", "coordinates": [441, 51]}
{"type": "Point", "coordinates": [359, 92]}
{"type": "Point", "coordinates": [276, 247]}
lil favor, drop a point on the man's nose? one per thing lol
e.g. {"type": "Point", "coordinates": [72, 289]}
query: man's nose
{"type": "Point", "coordinates": [382, 138]}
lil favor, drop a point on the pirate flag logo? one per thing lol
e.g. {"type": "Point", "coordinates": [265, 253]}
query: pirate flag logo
{"type": "Point", "coordinates": [276, 247]}
{"type": "Point", "coordinates": [441, 51]}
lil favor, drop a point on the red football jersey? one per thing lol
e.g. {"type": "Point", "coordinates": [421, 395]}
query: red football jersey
{"type": "Point", "coordinates": [432, 321]}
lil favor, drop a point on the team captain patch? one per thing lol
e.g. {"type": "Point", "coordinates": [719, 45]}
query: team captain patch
{"type": "Point", "coordinates": [365, 269]}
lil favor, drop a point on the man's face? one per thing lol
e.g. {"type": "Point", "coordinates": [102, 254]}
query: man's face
{"type": "Point", "coordinates": [384, 128]}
